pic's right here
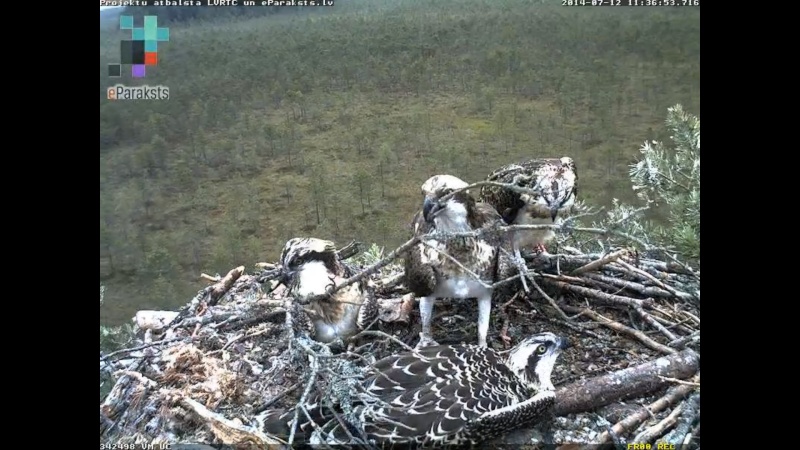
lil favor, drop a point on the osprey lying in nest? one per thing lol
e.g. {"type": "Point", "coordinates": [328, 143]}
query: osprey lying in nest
{"type": "Point", "coordinates": [435, 396]}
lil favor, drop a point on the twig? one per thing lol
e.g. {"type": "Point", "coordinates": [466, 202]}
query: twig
{"type": "Point", "coordinates": [598, 263]}
{"type": "Point", "coordinates": [673, 396]}
{"type": "Point", "coordinates": [658, 429]}
{"type": "Point", "coordinates": [369, 270]}
{"type": "Point", "coordinates": [147, 382]}
{"type": "Point", "coordinates": [675, 380]}
{"type": "Point", "coordinates": [383, 335]}
{"type": "Point", "coordinates": [240, 338]}
{"type": "Point", "coordinates": [656, 281]}
{"type": "Point", "coordinates": [213, 279]}
{"type": "Point", "coordinates": [142, 347]}
{"type": "Point", "coordinates": [653, 323]}
{"type": "Point", "coordinates": [616, 326]}
{"type": "Point", "coordinates": [633, 382]}
{"type": "Point", "coordinates": [649, 291]}
{"type": "Point", "coordinates": [576, 327]}
{"type": "Point", "coordinates": [610, 298]}
{"type": "Point", "coordinates": [273, 400]}
{"type": "Point", "coordinates": [645, 245]}
{"type": "Point", "coordinates": [391, 282]}
{"type": "Point", "coordinates": [312, 377]}
{"type": "Point", "coordinates": [680, 343]}
{"type": "Point", "coordinates": [549, 300]}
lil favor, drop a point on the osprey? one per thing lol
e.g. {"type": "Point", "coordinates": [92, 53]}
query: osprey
{"type": "Point", "coordinates": [430, 274]}
{"type": "Point", "coordinates": [309, 266]}
{"type": "Point", "coordinates": [439, 395]}
{"type": "Point", "coordinates": [555, 182]}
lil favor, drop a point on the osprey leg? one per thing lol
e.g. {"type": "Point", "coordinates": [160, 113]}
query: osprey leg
{"type": "Point", "coordinates": [484, 309]}
{"type": "Point", "coordinates": [426, 314]}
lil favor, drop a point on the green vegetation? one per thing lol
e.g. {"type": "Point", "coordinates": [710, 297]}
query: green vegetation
{"type": "Point", "coordinates": [325, 121]}
{"type": "Point", "coordinates": [667, 179]}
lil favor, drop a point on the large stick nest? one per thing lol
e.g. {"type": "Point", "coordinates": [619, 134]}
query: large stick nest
{"type": "Point", "coordinates": [232, 352]}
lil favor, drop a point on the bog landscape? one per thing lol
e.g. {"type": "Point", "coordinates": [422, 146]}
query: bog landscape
{"type": "Point", "coordinates": [323, 124]}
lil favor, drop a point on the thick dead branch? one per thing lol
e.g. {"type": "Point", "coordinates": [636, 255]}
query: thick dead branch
{"type": "Point", "coordinates": [230, 432]}
{"type": "Point", "coordinates": [224, 285]}
{"type": "Point", "coordinates": [672, 397]}
{"type": "Point", "coordinates": [588, 395]}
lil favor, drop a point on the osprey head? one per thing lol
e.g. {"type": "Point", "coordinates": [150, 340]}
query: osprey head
{"type": "Point", "coordinates": [452, 211]}
{"type": "Point", "coordinates": [557, 186]}
{"type": "Point", "coordinates": [533, 359]}
{"type": "Point", "coordinates": [300, 251]}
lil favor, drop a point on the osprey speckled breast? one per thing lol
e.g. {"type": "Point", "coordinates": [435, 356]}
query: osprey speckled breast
{"type": "Point", "coordinates": [555, 181]}
{"type": "Point", "coordinates": [436, 268]}
{"type": "Point", "coordinates": [309, 267]}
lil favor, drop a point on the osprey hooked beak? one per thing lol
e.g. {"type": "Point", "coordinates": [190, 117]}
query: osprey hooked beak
{"type": "Point", "coordinates": [429, 209]}
{"type": "Point", "coordinates": [283, 278]}
{"type": "Point", "coordinates": [553, 212]}
{"type": "Point", "coordinates": [564, 343]}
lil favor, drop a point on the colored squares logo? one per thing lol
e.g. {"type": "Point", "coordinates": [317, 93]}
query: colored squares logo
{"type": "Point", "coordinates": [142, 49]}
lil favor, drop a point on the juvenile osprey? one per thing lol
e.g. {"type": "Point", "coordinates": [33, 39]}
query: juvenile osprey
{"type": "Point", "coordinates": [431, 275]}
{"type": "Point", "coordinates": [309, 266]}
{"type": "Point", "coordinates": [556, 182]}
{"type": "Point", "coordinates": [440, 395]}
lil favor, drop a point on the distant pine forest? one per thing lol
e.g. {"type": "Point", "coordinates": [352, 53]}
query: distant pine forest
{"type": "Point", "coordinates": [324, 122]}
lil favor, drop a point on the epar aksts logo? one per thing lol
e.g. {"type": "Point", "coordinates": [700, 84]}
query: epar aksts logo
{"type": "Point", "coordinates": [120, 92]}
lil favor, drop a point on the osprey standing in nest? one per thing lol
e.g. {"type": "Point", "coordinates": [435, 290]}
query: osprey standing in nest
{"type": "Point", "coordinates": [309, 267]}
{"type": "Point", "coordinates": [555, 181]}
{"type": "Point", "coordinates": [439, 395]}
{"type": "Point", "coordinates": [430, 274]}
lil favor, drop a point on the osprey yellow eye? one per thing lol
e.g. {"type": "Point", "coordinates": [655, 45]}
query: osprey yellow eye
{"type": "Point", "coordinates": [541, 349]}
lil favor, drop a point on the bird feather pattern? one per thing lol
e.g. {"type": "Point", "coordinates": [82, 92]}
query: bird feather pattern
{"type": "Point", "coordinates": [459, 266]}
{"type": "Point", "coordinates": [443, 395]}
{"type": "Point", "coordinates": [555, 185]}
{"type": "Point", "coordinates": [310, 267]}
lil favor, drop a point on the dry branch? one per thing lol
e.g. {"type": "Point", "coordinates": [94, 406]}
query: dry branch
{"type": "Point", "coordinates": [616, 326]}
{"type": "Point", "coordinates": [660, 428]}
{"type": "Point", "coordinates": [224, 285]}
{"type": "Point", "coordinates": [230, 432]}
{"type": "Point", "coordinates": [673, 396]}
{"type": "Point", "coordinates": [598, 263]}
{"type": "Point", "coordinates": [637, 381]}
{"type": "Point", "coordinates": [682, 431]}
{"type": "Point", "coordinates": [613, 299]}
